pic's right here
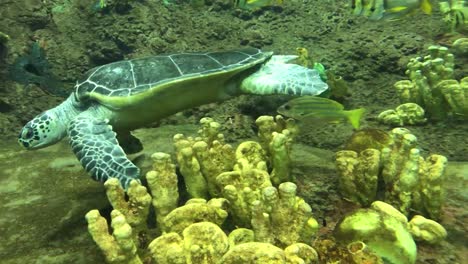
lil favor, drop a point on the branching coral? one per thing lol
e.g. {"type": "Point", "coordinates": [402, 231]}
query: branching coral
{"type": "Point", "coordinates": [358, 175]}
{"type": "Point", "coordinates": [272, 225]}
{"type": "Point", "coordinates": [203, 158]}
{"type": "Point", "coordinates": [282, 218]}
{"type": "Point", "coordinates": [118, 247]}
{"type": "Point", "coordinates": [456, 95]}
{"type": "Point", "coordinates": [276, 135]}
{"type": "Point", "coordinates": [191, 233]}
{"type": "Point", "coordinates": [163, 185]}
{"type": "Point", "coordinates": [410, 181]}
{"type": "Point", "coordinates": [432, 87]}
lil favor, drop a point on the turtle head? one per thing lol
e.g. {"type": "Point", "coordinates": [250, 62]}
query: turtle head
{"type": "Point", "coordinates": [44, 130]}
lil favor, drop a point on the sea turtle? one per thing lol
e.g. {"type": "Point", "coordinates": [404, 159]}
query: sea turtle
{"type": "Point", "coordinates": [128, 94]}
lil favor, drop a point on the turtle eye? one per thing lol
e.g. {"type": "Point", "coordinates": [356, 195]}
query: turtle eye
{"type": "Point", "coordinates": [27, 133]}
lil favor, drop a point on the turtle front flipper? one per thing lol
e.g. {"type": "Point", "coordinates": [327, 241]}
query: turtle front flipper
{"type": "Point", "coordinates": [278, 77]}
{"type": "Point", "coordinates": [96, 147]}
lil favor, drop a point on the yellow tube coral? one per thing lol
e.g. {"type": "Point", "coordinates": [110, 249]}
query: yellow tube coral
{"type": "Point", "coordinates": [195, 210]}
{"type": "Point", "coordinates": [118, 248]}
{"type": "Point", "coordinates": [358, 175]}
{"type": "Point", "coordinates": [136, 209]}
{"type": "Point", "coordinates": [162, 181]}
{"type": "Point", "coordinates": [199, 243]}
{"type": "Point", "coordinates": [282, 218]}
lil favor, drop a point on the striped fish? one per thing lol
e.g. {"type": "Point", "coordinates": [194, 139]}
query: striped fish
{"type": "Point", "coordinates": [318, 109]}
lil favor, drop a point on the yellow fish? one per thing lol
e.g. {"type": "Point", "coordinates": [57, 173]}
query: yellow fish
{"type": "Point", "coordinates": [389, 9]}
{"type": "Point", "coordinates": [312, 108]}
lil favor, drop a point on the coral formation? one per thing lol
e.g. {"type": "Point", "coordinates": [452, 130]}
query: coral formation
{"type": "Point", "coordinates": [456, 95]}
{"type": "Point", "coordinates": [455, 15]}
{"type": "Point", "coordinates": [276, 135]}
{"type": "Point", "coordinates": [162, 181]}
{"type": "Point", "coordinates": [118, 247]}
{"type": "Point", "coordinates": [410, 181]}
{"type": "Point", "coordinates": [432, 87]}
{"type": "Point", "coordinates": [404, 114]}
{"type": "Point", "coordinates": [361, 253]}
{"type": "Point", "coordinates": [203, 158]}
{"type": "Point", "coordinates": [192, 233]}
{"type": "Point", "coordinates": [136, 208]}
{"type": "Point", "coordinates": [381, 221]}
{"type": "Point", "coordinates": [243, 186]}
{"type": "Point", "coordinates": [368, 138]}
{"type": "Point", "coordinates": [374, 226]}
{"type": "Point", "coordinates": [202, 242]}
{"type": "Point", "coordinates": [257, 252]}
{"type": "Point", "coordinates": [268, 224]}
{"type": "Point", "coordinates": [358, 174]}
{"type": "Point", "coordinates": [281, 218]}
{"type": "Point", "coordinates": [195, 210]}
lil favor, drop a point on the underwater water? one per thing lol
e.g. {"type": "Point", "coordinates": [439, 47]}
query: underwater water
{"type": "Point", "coordinates": [418, 162]}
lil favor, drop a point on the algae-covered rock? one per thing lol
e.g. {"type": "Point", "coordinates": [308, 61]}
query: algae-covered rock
{"type": "Point", "coordinates": [427, 230]}
{"type": "Point", "coordinates": [384, 233]}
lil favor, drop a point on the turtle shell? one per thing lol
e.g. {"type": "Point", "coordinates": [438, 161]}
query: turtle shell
{"type": "Point", "coordinates": [137, 76]}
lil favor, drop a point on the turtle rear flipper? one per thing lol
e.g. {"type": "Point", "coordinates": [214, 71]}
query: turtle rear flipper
{"type": "Point", "coordinates": [96, 147]}
{"type": "Point", "coordinates": [277, 77]}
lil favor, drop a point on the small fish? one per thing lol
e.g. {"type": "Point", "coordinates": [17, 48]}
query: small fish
{"type": "Point", "coordinates": [389, 9]}
{"type": "Point", "coordinates": [312, 108]}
